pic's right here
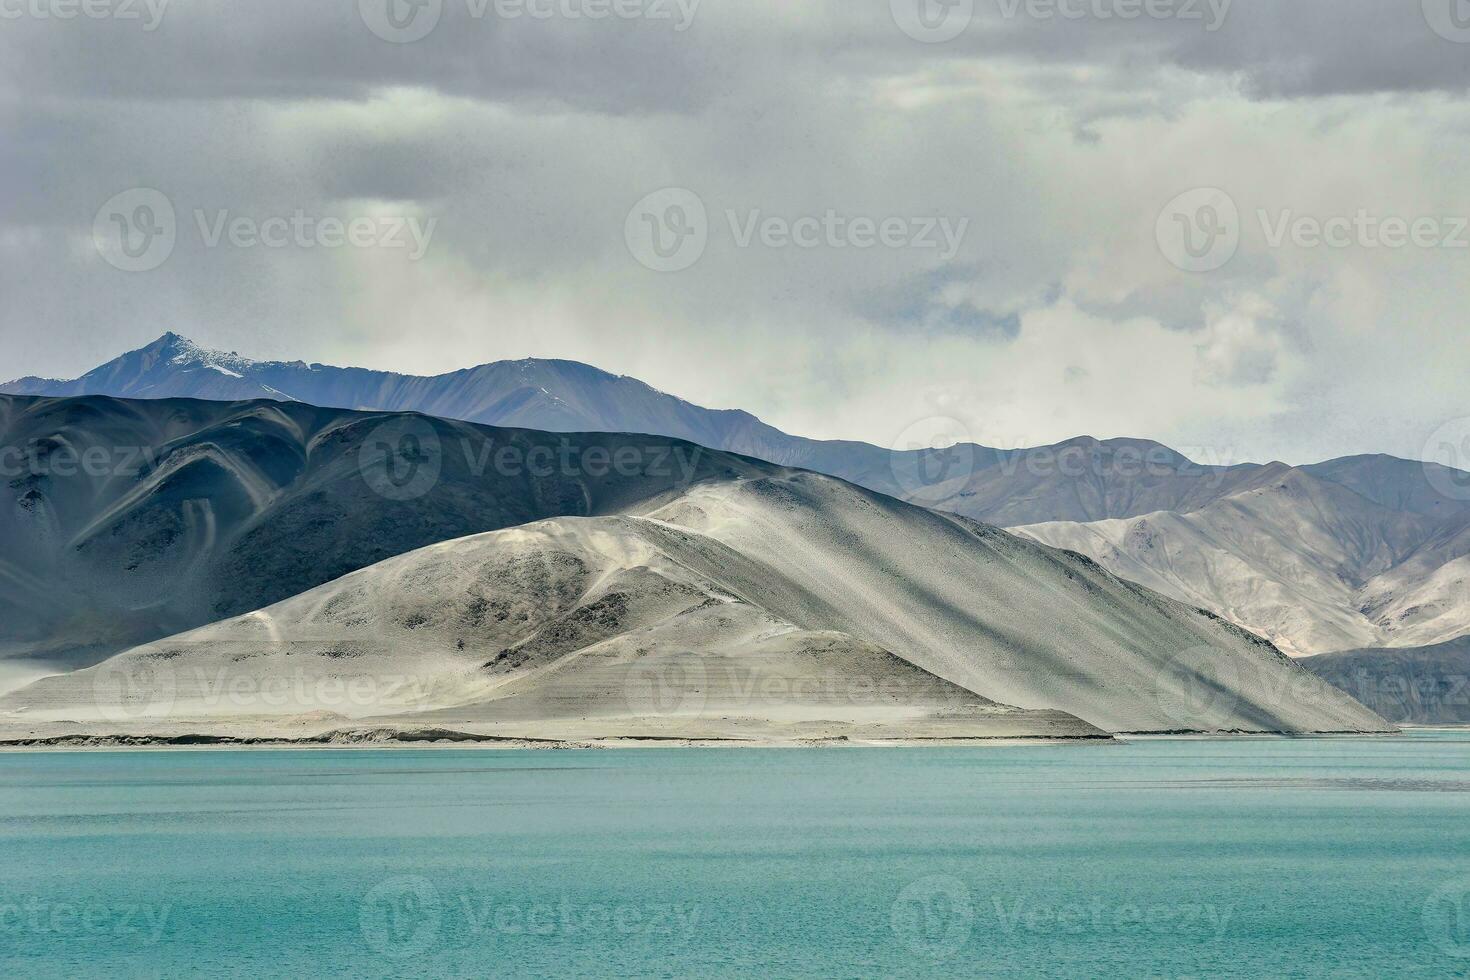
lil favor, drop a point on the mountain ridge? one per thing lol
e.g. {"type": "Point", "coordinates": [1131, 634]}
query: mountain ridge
{"type": "Point", "coordinates": [628, 540]}
{"type": "Point", "coordinates": [1343, 597]}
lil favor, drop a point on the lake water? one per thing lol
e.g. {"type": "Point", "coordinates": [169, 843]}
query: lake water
{"type": "Point", "coordinates": [1314, 857]}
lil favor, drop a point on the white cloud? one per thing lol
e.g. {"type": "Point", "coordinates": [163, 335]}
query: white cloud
{"type": "Point", "coordinates": [530, 142]}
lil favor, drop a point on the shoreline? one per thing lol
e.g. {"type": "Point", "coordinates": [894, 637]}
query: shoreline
{"type": "Point", "coordinates": [168, 743]}
{"type": "Point", "coordinates": [447, 739]}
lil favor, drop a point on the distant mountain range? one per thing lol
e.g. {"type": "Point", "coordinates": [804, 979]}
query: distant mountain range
{"type": "Point", "coordinates": [1302, 559]}
{"type": "Point", "coordinates": [1358, 552]}
{"type": "Point", "coordinates": [1082, 479]}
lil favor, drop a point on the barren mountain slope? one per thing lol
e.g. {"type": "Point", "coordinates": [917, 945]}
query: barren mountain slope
{"type": "Point", "coordinates": [1308, 563]}
{"type": "Point", "coordinates": [732, 566]}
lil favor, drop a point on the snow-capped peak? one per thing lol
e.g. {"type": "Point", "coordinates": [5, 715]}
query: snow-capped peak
{"type": "Point", "coordinates": [184, 352]}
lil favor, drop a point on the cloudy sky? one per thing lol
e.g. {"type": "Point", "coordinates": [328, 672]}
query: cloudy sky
{"type": "Point", "coordinates": [1233, 227]}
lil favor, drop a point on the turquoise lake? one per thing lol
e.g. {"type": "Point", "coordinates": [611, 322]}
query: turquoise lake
{"type": "Point", "coordinates": [1311, 857]}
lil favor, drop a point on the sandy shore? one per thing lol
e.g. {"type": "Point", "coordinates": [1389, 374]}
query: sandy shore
{"type": "Point", "coordinates": [417, 732]}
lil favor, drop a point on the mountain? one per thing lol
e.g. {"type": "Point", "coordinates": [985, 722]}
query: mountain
{"type": "Point", "coordinates": [126, 521]}
{"type": "Point", "coordinates": [548, 395]}
{"type": "Point", "coordinates": [241, 507]}
{"type": "Point", "coordinates": [1081, 479]}
{"type": "Point", "coordinates": [1417, 685]}
{"type": "Point", "coordinates": [1356, 552]}
{"type": "Point", "coordinates": [569, 629]}
{"type": "Point", "coordinates": [1310, 564]}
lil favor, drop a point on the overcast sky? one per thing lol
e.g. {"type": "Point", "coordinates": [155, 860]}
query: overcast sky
{"type": "Point", "coordinates": [997, 195]}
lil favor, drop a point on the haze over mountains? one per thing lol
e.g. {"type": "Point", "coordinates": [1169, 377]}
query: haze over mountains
{"type": "Point", "coordinates": [631, 550]}
{"type": "Point", "coordinates": [1351, 553]}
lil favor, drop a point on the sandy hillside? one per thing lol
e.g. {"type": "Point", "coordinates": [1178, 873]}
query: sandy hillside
{"type": "Point", "coordinates": [566, 629]}
{"type": "Point", "coordinates": [1313, 565]}
{"type": "Point", "coordinates": [770, 600]}
{"type": "Point", "coordinates": [123, 522]}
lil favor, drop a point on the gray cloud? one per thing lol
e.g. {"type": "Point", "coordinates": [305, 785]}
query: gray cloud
{"type": "Point", "coordinates": [529, 140]}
